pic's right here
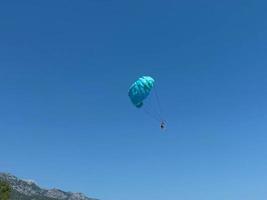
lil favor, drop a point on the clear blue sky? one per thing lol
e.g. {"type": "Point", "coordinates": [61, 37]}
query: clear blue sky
{"type": "Point", "coordinates": [66, 120]}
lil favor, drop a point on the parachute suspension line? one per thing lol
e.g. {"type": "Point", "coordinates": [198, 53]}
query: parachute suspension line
{"type": "Point", "coordinates": [151, 107]}
{"type": "Point", "coordinates": [158, 103]}
{"type": "Point", "coordinates": [152, 115]}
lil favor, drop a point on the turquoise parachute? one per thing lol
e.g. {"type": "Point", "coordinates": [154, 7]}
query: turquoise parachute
{"type": "Point", "coordinates": [140, 90]}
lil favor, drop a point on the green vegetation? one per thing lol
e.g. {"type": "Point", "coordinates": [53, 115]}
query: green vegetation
{"type": "Point", "coordinates": [5, 191]}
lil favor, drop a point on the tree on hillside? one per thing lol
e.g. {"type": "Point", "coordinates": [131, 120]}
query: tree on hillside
{"type": "Point", "coordinates": [4, 191]}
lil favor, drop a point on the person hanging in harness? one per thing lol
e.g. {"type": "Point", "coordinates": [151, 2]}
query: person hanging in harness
{"type": "Point", "coordinates": [162, 125]}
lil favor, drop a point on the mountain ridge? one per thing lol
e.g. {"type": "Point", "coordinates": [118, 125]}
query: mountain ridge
{"type": "Point", "coordinates": [29, 190]}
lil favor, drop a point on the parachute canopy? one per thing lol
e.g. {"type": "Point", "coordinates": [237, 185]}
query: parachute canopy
{"type": "Point", "coordinates": [140, 90]}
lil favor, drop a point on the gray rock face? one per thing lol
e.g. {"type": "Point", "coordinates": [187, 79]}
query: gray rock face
{"type": "Point", "coordinates": [30, 190]}
{"type": "Point", "coordinates": [56, 194]}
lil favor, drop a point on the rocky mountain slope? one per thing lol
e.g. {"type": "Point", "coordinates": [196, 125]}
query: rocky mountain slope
{"type": "Point", "coordinates": [28, 190]}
